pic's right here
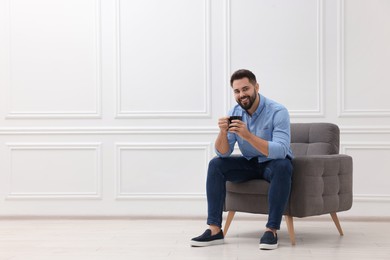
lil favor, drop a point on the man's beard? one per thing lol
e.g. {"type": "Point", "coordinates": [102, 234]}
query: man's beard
{"type": "Point", "coordinates": [249, 104]}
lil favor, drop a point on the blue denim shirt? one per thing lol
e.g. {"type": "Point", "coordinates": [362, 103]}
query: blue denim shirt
{"type": "Point", "coordinates": [270, 122]}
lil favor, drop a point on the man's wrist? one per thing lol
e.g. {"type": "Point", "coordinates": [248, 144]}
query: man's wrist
{"type": "Point", "coordinates": [223, 131]}
{"type": "Point", "coordinates": [248, 137]}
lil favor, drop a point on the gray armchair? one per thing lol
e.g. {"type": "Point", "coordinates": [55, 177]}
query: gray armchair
{"type": "Point", "coordinates": [321, 181]}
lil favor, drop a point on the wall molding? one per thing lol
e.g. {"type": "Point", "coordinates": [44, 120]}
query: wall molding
{"type": "Point", "coordinates": [205, 113]}
{"type": "Point", "coordinates": [155, 130]}
{"type": "Point", "coordinates": [364, 130]}
{"type": "Point", "coordinates": [106, 130]}
{"type": "Point", "coordinates": [319, 112]}
{"type": "Point", "coordinates": [344, 146]}
{"type": "Point", "coordinates": [96, 147]}
{"type": "Point", "coordinates": [227, 51]}
{"type": "Point", "coordinates": [371, 198]}
{"type": "Point", "coordinates": [364, 146]}
{"type": "Point", "coordinates": [120, 195]}
{"type": "Point", "coordinates": [62, 114]}
{"type": "Point", "coordinates": [342, 110]}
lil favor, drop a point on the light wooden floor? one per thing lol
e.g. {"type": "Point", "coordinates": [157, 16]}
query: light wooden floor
{"type": "Point", "coordinates": [116, 239]}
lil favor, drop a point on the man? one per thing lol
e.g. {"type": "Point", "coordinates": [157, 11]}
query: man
{"type": "Point", "coordinates": [263, 137]}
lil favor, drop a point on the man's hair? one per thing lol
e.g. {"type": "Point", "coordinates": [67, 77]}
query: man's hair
{"type": "Point", "coordinates": [240, 74]}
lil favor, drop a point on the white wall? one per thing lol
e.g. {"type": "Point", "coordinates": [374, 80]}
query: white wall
{"type": "Point", "coordinates": [109, 107]}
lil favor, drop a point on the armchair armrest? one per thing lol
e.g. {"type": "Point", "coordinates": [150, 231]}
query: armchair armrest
{"type": "Point", "coordinates": [320, 184]}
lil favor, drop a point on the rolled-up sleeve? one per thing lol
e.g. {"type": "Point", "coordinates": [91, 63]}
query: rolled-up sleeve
{"type": "Point", "coordinates": [232, 140]}
{"type": "Point", "coordinates": [278, 147]}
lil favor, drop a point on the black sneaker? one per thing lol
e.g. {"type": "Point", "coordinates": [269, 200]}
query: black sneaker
{"type": "Point", "coordinates": [268, 241]}
{"type": "Point", "coordinates": [206, 239]}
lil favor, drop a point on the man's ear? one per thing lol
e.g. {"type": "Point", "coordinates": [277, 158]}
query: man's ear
{"type": "Point", "coordinates": [257, 87]}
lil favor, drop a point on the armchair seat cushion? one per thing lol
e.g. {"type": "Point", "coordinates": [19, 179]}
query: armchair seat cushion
{"type": "Point", "coordinates": [259, 187]}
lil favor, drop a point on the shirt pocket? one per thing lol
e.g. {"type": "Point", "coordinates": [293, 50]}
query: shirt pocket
{"type": "Point", "coordinates": [265, 134]}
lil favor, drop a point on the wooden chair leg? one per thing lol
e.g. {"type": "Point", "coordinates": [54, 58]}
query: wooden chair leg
{"type": "Point", "coordinates": [229, 219]}
{"type": "Point", "coordinates": [337, 223]}
{"type": "Point", "coordinates": [290, 228]}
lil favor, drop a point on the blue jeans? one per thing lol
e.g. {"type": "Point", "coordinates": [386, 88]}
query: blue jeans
{"type": "Point", "coordinates": [238, 169]}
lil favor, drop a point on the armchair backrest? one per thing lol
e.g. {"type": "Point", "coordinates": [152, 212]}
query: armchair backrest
{"type": "Point", "coordinates": [314, 139]}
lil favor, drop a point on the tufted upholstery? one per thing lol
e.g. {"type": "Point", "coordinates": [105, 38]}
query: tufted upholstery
{"type": "Point", "coordinates": [321, 182]}
{"type": "Point", "coordinates": [314, 139]}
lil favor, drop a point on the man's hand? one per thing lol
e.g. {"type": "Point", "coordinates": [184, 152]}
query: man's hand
{"type": "Point", "coordinates": [222, 144]}
{"type": "Point", "coordinates": [238, 127]}
{"type": "Point", "coordinates": [223, 124]}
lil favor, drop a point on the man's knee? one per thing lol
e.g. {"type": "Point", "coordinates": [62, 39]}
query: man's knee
{"type": "Point", "coordinates": [283, 168]}
{"type": "Point", "coordinates": [215, 163]}
{"type": "Point", "coordinates": [286, 165]}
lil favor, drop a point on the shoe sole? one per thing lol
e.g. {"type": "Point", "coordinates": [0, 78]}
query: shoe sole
{"type": "Point", "coordinates": [208, 243]}
{"type": "Point", "coordinates": [268, 246]}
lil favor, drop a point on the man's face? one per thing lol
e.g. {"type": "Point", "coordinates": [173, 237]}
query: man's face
{"type": "Point", "coordinates": [245, 93]}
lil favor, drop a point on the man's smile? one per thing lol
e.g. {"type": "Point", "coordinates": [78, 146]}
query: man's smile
{"type": "Point", "coordinates": [245, 99]}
